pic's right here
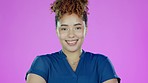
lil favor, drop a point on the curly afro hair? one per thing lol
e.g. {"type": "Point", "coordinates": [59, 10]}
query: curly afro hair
{"type": "Point", "coordinates": [79, 7]}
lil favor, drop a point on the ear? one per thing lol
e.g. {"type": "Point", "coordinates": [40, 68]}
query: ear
{"type": "Point", "coordinates": [57, 31]}
{"type": "Point", "coordinates": [57, 28]}
{"type": "Point", "coordinates": [85, 31]}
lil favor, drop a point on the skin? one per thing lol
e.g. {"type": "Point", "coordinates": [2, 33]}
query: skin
{"type": "Point", "coordinates": [33, 78]}
{"type": "Point", "coordinates": [71, 31]}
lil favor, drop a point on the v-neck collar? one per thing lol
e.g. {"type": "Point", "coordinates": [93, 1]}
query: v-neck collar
{"type": "Point", "coordinates": [62, 55]}
{"type": "Point", "coordinates": [76, 72]}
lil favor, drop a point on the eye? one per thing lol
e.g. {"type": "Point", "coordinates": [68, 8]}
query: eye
{"type": "Point", "coordinates": [78, 28]}
{"type": "Point", "coordinates": [63, 29]}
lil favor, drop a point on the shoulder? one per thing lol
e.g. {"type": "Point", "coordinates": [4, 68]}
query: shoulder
{"type": "Point", "coordinates": [51, 55]}
{"type": "Point", "coordinates": [96, 56]}
{"type": "Point", "coordinates": [47, 57]}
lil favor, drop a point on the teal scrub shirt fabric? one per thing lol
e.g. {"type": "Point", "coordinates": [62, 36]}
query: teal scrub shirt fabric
{"type": "Point", "coordinates": [92, 68]}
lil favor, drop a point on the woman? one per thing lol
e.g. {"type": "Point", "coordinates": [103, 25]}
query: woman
{"type": "Point", "coordinates": [71, 64]}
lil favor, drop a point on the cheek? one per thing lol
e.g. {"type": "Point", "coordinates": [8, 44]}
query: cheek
{"type": "Point", "coordinates": [62, 36]}
{"type": "Point", "coordinates": [81, 35]}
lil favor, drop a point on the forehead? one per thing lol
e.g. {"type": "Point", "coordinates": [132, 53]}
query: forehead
{"type": "Point", "coordinates": [70, 19]}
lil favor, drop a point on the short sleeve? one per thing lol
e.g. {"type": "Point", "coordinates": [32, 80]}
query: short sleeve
{"type": "Point", "coordinates": [108, 71]}
{"type": "Point", "coordinates": [39, 67]}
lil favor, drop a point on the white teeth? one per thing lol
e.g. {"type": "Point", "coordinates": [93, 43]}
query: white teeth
{"type": "Point", "coordinates": [71, 42]}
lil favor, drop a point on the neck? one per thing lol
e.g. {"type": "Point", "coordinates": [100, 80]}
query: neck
{"type": "Point", "coordinates": [72, 55]}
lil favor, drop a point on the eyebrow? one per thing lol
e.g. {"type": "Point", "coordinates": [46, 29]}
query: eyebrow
{"type": "Point", "coordinates": [73, 25]}
{"type": "Point", "coordinates": [77, 24]}
{"type": "Point", "coordinates": [64, 25]}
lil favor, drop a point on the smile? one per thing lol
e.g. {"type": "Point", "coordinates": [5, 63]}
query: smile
{"type": "Point", "coordinates": [71, 42]}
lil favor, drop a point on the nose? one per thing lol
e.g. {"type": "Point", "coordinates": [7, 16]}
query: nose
{"type": "Point", "coordinates": [71, 34]}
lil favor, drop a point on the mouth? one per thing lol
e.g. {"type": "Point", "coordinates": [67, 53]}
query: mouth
{"type": "Point", "coordinates": [71, 42]}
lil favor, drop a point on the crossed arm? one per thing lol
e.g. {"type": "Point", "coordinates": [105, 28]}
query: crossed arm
{"type": "Point", "coordinates": [33, 78]}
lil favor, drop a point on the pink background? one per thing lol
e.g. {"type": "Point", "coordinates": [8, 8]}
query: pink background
{"type": "Point", "coordinates": [116, 28]}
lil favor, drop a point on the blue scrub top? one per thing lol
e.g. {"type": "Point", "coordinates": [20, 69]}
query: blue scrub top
{"type": "Point", "coordinates": [92, 68]}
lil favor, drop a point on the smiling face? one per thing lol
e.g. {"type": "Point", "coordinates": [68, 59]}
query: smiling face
{"type": "Point", "coordinates": [71, 31]}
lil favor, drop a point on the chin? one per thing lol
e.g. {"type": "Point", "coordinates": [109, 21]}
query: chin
{"type": "Point", "coordinates": [71, 47]}
{"type": "Point", "coordinates": [72, 50]}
